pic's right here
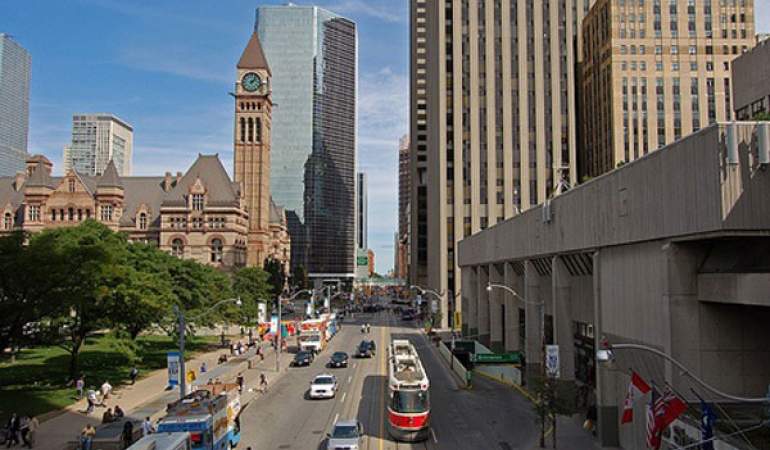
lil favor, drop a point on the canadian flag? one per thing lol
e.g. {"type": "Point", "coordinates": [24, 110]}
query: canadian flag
{"type": "Point", "coordinates": [636, 384]}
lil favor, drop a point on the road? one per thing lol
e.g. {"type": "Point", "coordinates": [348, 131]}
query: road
{"type": "Point", "coordinates": [488, 416]}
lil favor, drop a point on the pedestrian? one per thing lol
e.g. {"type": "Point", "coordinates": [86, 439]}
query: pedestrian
{"type": "Point", "coordinates": [147, 427]}
{"type": "Point", "coordinates": [107, 417]}
{"type": "Point", "coordinates": [12, 430]}
{"type": "Point", "coordinates": [127, 436]}
{"type": "Point", "coordinates": [32, 425]}
{"type": "Point", "coordinates": [91, 398]}
{"type": "Point", "coordinates": [87, 437]}
{"type": "Point", "coordinates": [80, 384]}
{"type": "Point", "coordinates": [261, 353]}
{"type": "Point", "coordinates": [24, 429]}
{"type": "Point", "coordinates": [105, 390]}
{"type": "Point", "coordinates": [262, 382]}
{"type": "Point", "coordinates": [118, 413]}
{"type": "Point", "coordinates": [203, 367]}
{"type": "Point", "coordinates": [133, 374]}
{"type": "Point", "coordinates": [240, 382]}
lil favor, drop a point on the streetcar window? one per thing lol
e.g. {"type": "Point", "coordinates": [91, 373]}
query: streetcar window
{"type": "Point", "coordinates": [410, 401]}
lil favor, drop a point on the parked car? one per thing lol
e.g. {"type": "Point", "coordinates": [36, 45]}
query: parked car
{"type": "Point", "coordinates": [323, 386]}
{"type": "Point", "coordinates": [345, 434]}
{"type": "Point", "coordinates": [302, 359]}
{"type": "Point", "coordinates": [338, 359]}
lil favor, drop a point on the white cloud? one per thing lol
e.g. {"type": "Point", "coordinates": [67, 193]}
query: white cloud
{"type": "Point", "coordinates": [762, 13]}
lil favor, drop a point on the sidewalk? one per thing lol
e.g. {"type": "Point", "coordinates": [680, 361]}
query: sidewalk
{"type": "Point", "coordinates": [149, 397]}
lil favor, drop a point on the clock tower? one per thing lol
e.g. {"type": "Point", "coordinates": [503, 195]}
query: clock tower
{"type": "Point", "coordinates": [253, 107]}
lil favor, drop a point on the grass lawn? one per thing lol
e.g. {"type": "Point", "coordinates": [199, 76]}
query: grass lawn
{"type": "Point", "coordinates": [36, 382]}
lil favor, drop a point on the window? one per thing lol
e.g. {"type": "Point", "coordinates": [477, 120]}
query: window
{"type": "Point", "coordinates": [106, 213]}
{"type": "Point", "coordinates": [197, 202]}
{"type": "Point", "coordinates": [71, 185]}
{"type": "Point", "coordinates": [143, 221]}
{"type": "Point", "coordinates": [216, 250]}
{"type": "Point", "coordinates": [7, 221]}
{"type": "Point", "coordinates": [177, 248]}
{"type": "Point", "coordinates": [34, 213]}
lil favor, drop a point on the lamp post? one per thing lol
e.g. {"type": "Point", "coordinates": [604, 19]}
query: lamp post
{"type": "Point", "coordinates": [280, 329]}
{"type": "Point", "coordinates": [181, 321]}
{"type": "Point", "coordinates": [423, 291]}
{"type": "Point", "coordinates": [540, 307]}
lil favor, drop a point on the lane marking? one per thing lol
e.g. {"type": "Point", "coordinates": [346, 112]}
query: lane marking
{"type": "Point", "coordinates": [336, 416]}
{"type": "Point", "coordinates": [382, 390]}
{"type": "Point", "coordinates": [343, 397]}
{"type": "Point", "coordinates": [350, 378]}
{"type": "Point", "coordinates": [433, 433]}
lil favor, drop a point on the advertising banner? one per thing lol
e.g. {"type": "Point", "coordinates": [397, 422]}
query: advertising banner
{"type": "Point", "coordinates": [552, 360]}
{"type": "Point", "coordinates": [261, 312]}
{"type": "Point", "coordinates": [173, 368]}
{"type": "Point", "coordinates": [274, 324]}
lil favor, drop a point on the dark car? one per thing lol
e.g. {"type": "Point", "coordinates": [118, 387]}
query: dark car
{"type": "Point", "coordinates": [339, 359]}
{"type": "Point", "coordinates": [407, 315]}
{"type": "Point", "coordinates": [302, 359]}
{"type": "Point", "coordinates": [372, 347]}
{"type": "Point", "coordinates": [364, 350]}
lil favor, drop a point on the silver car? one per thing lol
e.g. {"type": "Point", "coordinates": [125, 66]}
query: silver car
{"type": "Point", "coordinates": [346, 435]}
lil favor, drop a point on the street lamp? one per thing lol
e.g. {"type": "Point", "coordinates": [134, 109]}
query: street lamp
{"type": "Point", "coordinates": [180, 318]}
{"type": "Point", "coordinates": [540, 307]}
{"type": "Point", "coordinates": [423, 291]}
{"type": "Point", "coordinates": [607, 355]}
{"type": "Point", "coordinates": [280, 330]}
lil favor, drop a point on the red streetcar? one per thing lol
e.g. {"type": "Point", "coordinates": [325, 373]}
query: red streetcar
{"type": "Point", "coordinates": [409, 401]}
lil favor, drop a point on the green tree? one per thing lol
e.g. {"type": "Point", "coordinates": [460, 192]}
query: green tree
{"type": "Point", "coordinates": [761, 116]}
{"type": "Point", "coordinates": [81, 262]}
{"type": "Point", "coordinates": [277, 278]}
{"type": "Point", "coordinates": [252, 286]}
{"type": "Point", "coordinates": [552, 399]}
{"type": "Point", "coordinates": [299, 277]}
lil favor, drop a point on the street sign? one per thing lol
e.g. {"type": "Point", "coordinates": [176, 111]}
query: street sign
{"type": "Point", "coordinates": [173, 368]}
{"type": "Point", "coordinates": [497, 358]}
{"type": "Point", "coordinates": [552, 361]}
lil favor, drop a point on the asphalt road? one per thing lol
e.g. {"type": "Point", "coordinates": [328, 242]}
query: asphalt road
{"type": "Point", "coordinates": [488, 416]}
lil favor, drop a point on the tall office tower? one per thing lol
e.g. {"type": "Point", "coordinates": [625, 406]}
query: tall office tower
{"type": "Point", "coordinates": [14, 105]}
{"type": "Point", "coordinates": [362, 210]}
{"type": "Point", "coordinates": [656, 71]}
{"type": "Point", "coordinates": [98, 139]}
{"type": "Point", "coordinates": [313, 56]}
{"type": "Point", "coordinates": [401, 256]}
{"type": "Point", "coordinates": [493, 121]}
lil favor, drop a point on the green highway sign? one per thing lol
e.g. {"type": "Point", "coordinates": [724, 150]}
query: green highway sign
{"type": "Point", "coordinates": [497, 358]}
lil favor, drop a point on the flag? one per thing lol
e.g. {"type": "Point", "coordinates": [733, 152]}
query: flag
{"type": "Point", "coordinates": [707, 426]}
{"type": "Point", "coordinates": [637, 383]}
{"type": "Point", "coordinates": [653, 441]}
{"type": "Point", "coordinates": [661, 412]}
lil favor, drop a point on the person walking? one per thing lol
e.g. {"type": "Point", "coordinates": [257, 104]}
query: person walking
{"type": "Point", "coordinates": [32, 425]}
{"type": "Point", "coordinates": [91, 398]}
{"type": "Point", "coordinates": [240, 382]}
{"type": "Point", "coordinates": [133, 374]}
{"type": "Point", "coordinates": [87, 437]}
{"type": "Point", "coordinates": [13, 430]}
{"type": "Point", "coordinates": [147, 427]}
{"type": "Point", "coordinates": [262, 382]}
{"type": "Point", "coordinates": [24, 429]}
{"type": "Point", "coordinates": [127, 436]}
{"type": "Point", "coordinates": [204, 368]}
{"type": "Point", "coordinates": [106, 391]}
{"type": "Point", "coordinates": [80, 384]}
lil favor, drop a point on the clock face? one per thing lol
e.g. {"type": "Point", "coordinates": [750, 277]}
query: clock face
{"type": "Point", "coordinates": [251, 82]}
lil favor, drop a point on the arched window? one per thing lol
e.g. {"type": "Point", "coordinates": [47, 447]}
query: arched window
{"type": "Point", "coordinates": [70, 214]}
{"type": "Point", "coordinates": [216, 250]}
{"type": "Point", "coordinates": [80, 215]}
{"type": "Point", "coordinates": [258, 138]}
{"type": "Point", "coordinates": [177, 248]}
{"type": "Point", "coordinates": [53, 215]}
{"type": "Point", "coordinates": [251, 129]}
{"type": "Point", "coordinates": [142, 221]}
{"type": "Point", "coordinates": [7, 221]}
{"type": "Point", "coordinates": [243, 129]}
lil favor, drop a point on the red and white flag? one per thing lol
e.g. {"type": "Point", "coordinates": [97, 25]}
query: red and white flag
{"type": "Point", "coordinates": [661, 412]}
{"type": "Point", "coordinates": [637, 384]}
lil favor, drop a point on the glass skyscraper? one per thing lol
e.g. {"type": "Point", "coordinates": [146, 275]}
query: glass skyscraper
{"type": "Point", "coordinates": [98, 139]}
{"type": "Point", "coordinates": [313, 55]}
{"type": "Point", "coordinates": [14, 105]}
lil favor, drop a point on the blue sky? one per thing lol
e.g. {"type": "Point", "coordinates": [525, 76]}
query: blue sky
{"type": "Point", "coordinates": [166, 66]}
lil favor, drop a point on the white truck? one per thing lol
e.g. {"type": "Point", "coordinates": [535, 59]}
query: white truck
{"type": "Point", "coordinates": [163, 441]}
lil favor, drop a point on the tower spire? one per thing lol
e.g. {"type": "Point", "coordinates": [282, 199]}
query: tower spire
{"type": "Point", "coordinates": [253, 57]}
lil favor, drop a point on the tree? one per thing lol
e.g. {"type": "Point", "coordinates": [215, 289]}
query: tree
{"type": "Point", "coordinates": [277, 278]}
{"type": "Point", "coordinates": [552, 399]}
{"type": "Point", "coordinates": [299, 277]}
{"type": "Point", "coordinates": [761, 116]}
{"type": "Point", "coordinates": [252, 286]}
{"type": "Point", "coordinates": [196, 288]}
{"type": "Point", "coordinates": [80, 262]}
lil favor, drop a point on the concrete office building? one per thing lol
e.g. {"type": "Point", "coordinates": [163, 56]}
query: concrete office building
{"type": "Point", "coordinates": [15, 65]}
{"type": "Point", "coordinates": [362, 211]}
{"type": "Point", "coordinates": [751, 82]}
{"type": "Point", "coordinates": [313, 57]}
{"type": "Point", "coordinates": [98, 139]}
{"type": "Point", "coordinates": [668, 251]}
{"type": "Point", "coordinates": [493, 121]}
{"type": "Point", "coordinates": [655, 71]}
{"type": "Point", "coordinates": [401, 244]}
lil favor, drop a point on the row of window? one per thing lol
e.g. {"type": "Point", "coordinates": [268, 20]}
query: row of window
{"type": "Point", "coordinates": [216, 251]}
{"type": "Point", "coordinates": [197, 222]}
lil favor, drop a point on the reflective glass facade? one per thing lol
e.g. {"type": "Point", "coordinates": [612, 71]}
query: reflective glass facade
{"type": "Point", "coordinates": [14, 105]}
{"type": "Point", "coordinates": [313, 57]}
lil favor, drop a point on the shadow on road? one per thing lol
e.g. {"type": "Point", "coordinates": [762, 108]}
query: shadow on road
{"type": "Point", "coordinates": [372, 411]}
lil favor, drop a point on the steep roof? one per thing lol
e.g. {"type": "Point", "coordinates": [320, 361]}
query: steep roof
{"type": "Point", "coordinates": [219, 189]}
{"type": "Point", "coordinates": [40, 177]}
{"type": "Point", "coordinates": [253, 57]}
{"type": "Point", "coordinates": [110, 177]}
{"type": "Point", "coordinates": [140, 191]}
{"type": "Point", "coordinates": [276, 212]}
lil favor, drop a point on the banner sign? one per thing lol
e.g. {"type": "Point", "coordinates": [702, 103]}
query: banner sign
{"type": "Point", "coordinates": [552, 360]}
{"type": "Point", "coordinates": [173, 368]}
{"type": "Point", "coordinates": [261, 312]}
{"type": "Point", "coordinates": [274, 324]}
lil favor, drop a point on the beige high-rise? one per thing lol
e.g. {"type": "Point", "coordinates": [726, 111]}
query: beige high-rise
{"type": "Point", "coordinates": [493, 121]}
{"type": "Point", "coordinates": [655, 71]}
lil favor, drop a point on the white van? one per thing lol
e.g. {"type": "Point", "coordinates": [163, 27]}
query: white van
{"type": "Point", "coordinates": [163, 441]}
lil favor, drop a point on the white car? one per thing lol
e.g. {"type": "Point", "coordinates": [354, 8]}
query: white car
{"type": "Point", "coordinates": [323, 386]}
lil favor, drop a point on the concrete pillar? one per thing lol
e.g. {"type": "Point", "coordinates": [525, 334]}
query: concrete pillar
{"type": "Point", "coordinates": [469, 298]}
{"type": "Point", "coordinates": [534, 311]}
{"type": "Point", "coordinates": [607, 400]}
{"type": "Point", "coordinates": [511, 325]}
{"type": "Point", "coordinates": [495, 309]}
{"type": "Point", "coordinates": [483, 304]}
{"type": "Point", "coordinates": [562, 318]}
